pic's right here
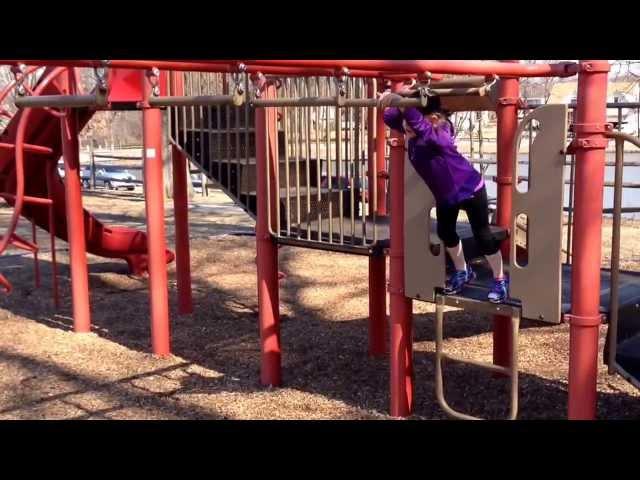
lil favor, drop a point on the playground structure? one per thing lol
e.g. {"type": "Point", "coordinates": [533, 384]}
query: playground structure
{"type": "Point", "coordinates": [301, 146]}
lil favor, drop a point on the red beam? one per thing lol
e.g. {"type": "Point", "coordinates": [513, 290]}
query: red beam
{"type": "Point", "coordinates": [266, 248]}
{"type": "Point", "coordinates": [156, 240]}
{"type": "Point", "coordinates": [401, 356]}
{"type": "Point", "coordinates": [75, 213]}
{"type": "Point", "coordinates": [367, 68]}
{"type": "Point", "coordinates": [507, 124]}
{"type": "Point", "coordinates": [461, 67]}
{"type": "Point", "coordinates": [585, 316]}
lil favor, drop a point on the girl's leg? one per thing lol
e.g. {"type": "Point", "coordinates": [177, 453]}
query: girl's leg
{"type": "Point", "coordinates": [477, 209]}
{"type": "Point", "coordinates": [447, 219]}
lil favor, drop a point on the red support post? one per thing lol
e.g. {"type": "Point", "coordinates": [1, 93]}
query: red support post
{"type": "Point", "coordinates": [585, 319]}
{"type": "Point", "coordinates": [507, 124]}
{"type": "Point", "coordinates": [156, 241]}
{"type": "Point", "coordinates": [51, 174]}
{"type": "Point", "coordinates": [181, 214]}
{"type": "Point", "coordinates": [377, 305]}
{"type": "Point", "coordinates": [266, 248]}
{"type": "Point", "coordinates": [36, 262]}
{"type": "Point", "coordinates": [401, 307]}
{"type": "Point", "coordinates": [381, 164]}
{"type": "Point", "coordinates": [377, 263]}
{"type": "Point", "coordinates": [75, 212]}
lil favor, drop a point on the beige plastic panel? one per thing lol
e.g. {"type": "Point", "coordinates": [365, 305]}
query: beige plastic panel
{"type": "Point", "coordinates": [538, 284]}
{"type": "Point", "coordinates": [423, 271]}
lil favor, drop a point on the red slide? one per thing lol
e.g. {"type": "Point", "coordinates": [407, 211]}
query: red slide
{"type": "Point", "coordinates": [43, 129]}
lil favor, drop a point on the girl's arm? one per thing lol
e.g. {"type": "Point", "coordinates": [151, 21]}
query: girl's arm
{"type": "Point", "coordinates": [425, 130]}
{"type": "Point", "coordinates": [393, 118]}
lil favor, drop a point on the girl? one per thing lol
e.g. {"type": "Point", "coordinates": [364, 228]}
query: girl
{"type": "Point", "coordinates": [455, 184]}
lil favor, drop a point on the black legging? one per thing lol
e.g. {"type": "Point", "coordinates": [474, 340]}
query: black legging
{"type": "Point", "coordinates": [477, 208]}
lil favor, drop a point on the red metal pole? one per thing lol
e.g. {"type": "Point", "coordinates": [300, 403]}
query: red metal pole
{"type": "Point", "coordinates": [507, 124]}
{"type": "Point", "coordinates": [401, 307]}
{"type": "Point", "coordinates": [381, 164]}
{"type": "Point", "coordinates": [266, 248]}
{"type": "Point", "coordinates": [461, 67]}
{"type": "Point", "coordinates": [365, 68]}
{"type": "Point", "coordinates": [181, 214]}
{"type": "Point", "coordinates": [75, 213]}
{"type": "Point", "coordinates": [585, 319]}
{"type": "Point", "coordinates": [36, 262]}
{"type": "Point", "coordinates": [156, 241]}
{"type": "Point", "coordinates": [377, 263]}
{"type": "Point", "coordinates": [51, 172]}
{"type": "Point", "coordinates": [377, 305]}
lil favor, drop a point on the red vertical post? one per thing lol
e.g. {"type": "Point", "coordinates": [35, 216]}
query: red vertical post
{"type": "Point", "coordinates": [401, 322]}
{"type": "Point", "coordinates": [75, 212]}
{"type": "Point", "coordinates": [507, 124]}
{"type": "Point", "coordinates": [156, 240]}
{"type": "Point", "coordinates": [585, 318]}
{"type": "Point", "coordinates": [36, 262]}
{"type": "Point", "coordinates": [266, 248]}
{"type": "Point", "coordinates": [381, 164]}
{"type": "Point", "coordinates": [51, 173]}
{"type": "Point", "coordinates": [377, 263]}
{"type": "Point", "coordinates": [377, 305]}
{"type": "Point", "coordinates": [181, 215]}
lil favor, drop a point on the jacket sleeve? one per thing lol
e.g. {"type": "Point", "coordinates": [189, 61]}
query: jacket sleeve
{"type": "Point", "coordinates": [393, 118]}
{"type": "Point", "coordinates": [424, 129]}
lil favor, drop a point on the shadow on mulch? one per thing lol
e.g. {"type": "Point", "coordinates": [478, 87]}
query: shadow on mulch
{"type": "Point", "coordinates": [324, 357]}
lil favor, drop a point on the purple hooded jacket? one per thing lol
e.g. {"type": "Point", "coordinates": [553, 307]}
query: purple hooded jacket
{"type": "Point", "coordinates": [432, 152]}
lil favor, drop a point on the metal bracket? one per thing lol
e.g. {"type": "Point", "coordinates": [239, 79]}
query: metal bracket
{"type": "Point", "coordinates": [399, 291]}
{"type": "Point", "coordinates": [395, 142]}
{"type": "Point", "coordinates": [581, 321]}
{"type": "Point", "coordinates": [587, 143]}
{"type": "Point", "coordinates": [509, 100]}
{"type": "Point", "coordinates": [591, 127]}
{"type": "Point", "coordinates": [601, 66]}
{"type": "Point", "coordinates": [153, 76]}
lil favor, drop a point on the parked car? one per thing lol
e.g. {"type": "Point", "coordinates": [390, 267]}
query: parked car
{"type": "Point", "coordinates": [111, 177]}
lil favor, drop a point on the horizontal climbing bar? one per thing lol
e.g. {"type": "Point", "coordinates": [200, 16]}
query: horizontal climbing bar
{"type": "Point", "coordinates": [376, 67]}
{"type": "Point", "coordinates": [563, 69]}
{"type": "Point", "coordinates": [334, 102]}
{"type": "Point", "coordinates": [197, 101]}
{"type": "Point", "coordinates": [217, 66]}
{"type": "Point", "coordinates": [29, 148]}
{"type": "Point", "coordinates": [28, 199]}
{"type": "Point", "coordinates": [463, 82]}
{"type": "Point", "coordinates": [60, 101]}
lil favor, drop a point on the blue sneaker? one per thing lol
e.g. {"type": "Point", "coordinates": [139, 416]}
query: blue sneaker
{"type": "Point", "coordinates": [500, 290]}
{"type": "Point", "coordinates": [458, 280]}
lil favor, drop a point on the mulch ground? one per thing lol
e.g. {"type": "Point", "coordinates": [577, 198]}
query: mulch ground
{"type": "Point", "coordinates": [48, 372]}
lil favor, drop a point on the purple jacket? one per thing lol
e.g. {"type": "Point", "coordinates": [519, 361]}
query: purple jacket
{"type": "Point", "coordinates": [432, 152]}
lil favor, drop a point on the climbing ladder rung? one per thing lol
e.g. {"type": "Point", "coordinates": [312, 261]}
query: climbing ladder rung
{"type": "Point", "coordinates": [29, 148]}
{"type": "Point", "coordinates": [513, 313]}
{"type": "Point", "coordinates": [486, 366]}
{"type": "Point", "coordinates": [28, 199]}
